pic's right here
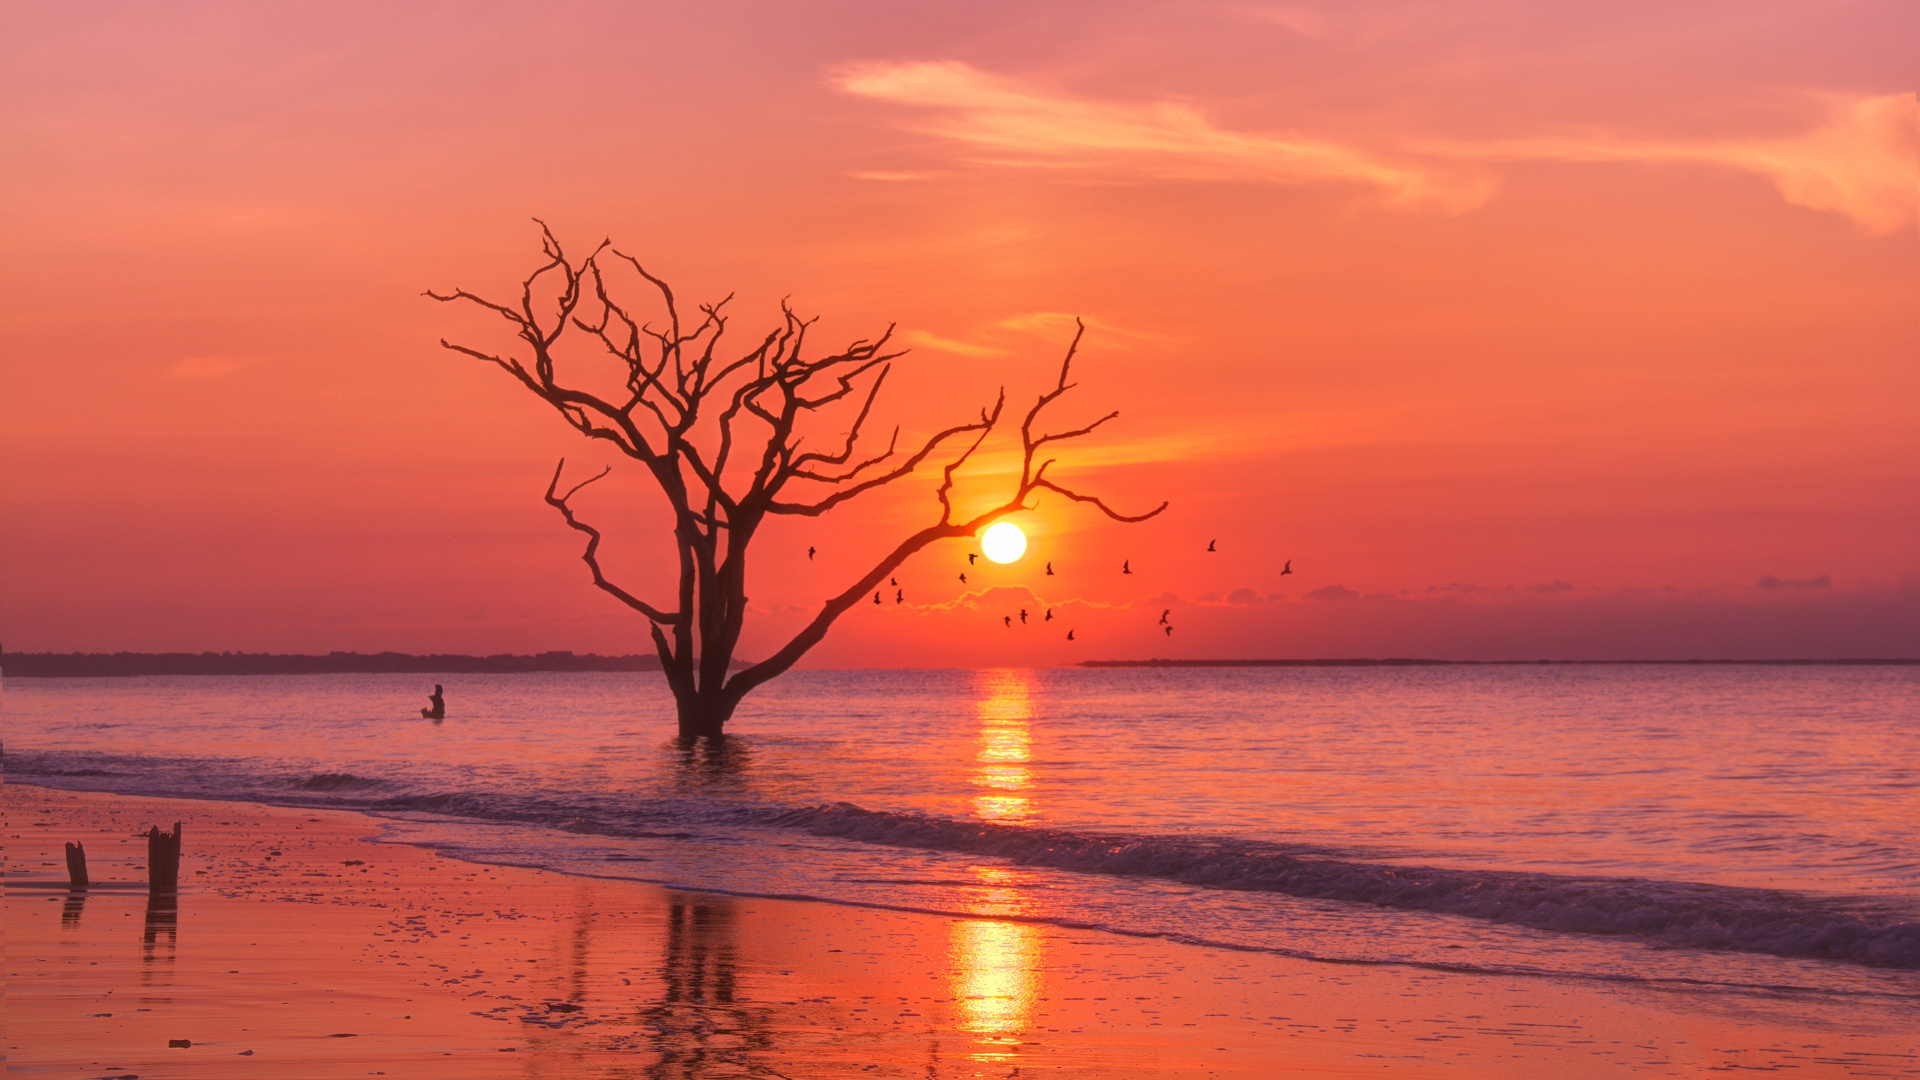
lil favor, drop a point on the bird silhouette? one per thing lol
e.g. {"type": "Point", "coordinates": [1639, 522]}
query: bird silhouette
{"type": "Point", "coordinates": [894, 581]}
{"type": "Point", "coordinates": [1163, 616]}
{"type": "Point", "coordinates": [1049, 617]}
{"type": "Point", "coordinates": [876, 598]}
{"type": "Point", "coordinates": [1126, 566]}
{"type": "Point", "coordinates": [899, 597]}
{"type": "Point", "coordinates": [1069, 635]}
{"type": "Point", "coordinates": [1009, 619]}
{"type": "Point", "coordinates": [963, 579]}
{"type": "Point", "coordinates": [1288, 569]}
{"type": "Point", "coordinates": [1210, 544]}
{"type": "Point", "coordinates": [1169, 631]}
{"type": "Point", "coordinates": [809, 554]}
{"type": "Point", "coordinates": [970, 557]}
{"type": "Point", "coordinates": [1049, 569]}
{"type": "Point", "coordinates": [1023, 616]}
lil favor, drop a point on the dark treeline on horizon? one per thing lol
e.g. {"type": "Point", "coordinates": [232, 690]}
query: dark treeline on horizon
{"type": "Point", "coordinates": [85, 665]}
{"type": "Point", "coordinates": [1409, 662]}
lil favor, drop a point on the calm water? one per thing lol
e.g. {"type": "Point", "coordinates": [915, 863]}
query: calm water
{"type": "Point", "coordinates": [1745, 829]}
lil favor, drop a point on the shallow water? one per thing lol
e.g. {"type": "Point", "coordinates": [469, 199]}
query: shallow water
{"type": "Point", "coordinates": [1755, 829]}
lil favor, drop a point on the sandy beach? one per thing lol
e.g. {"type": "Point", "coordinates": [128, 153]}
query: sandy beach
{"type": "Point", "coordinates": [302, 947]}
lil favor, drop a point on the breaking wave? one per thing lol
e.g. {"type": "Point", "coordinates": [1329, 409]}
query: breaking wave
{"type": "Point", "coordinates": [337, 781]}
{"type": "Point", "coordinates": [1672, 914]}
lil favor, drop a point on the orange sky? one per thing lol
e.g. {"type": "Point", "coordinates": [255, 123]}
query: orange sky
{"type": "Point", "coordinates": [1522, 330]}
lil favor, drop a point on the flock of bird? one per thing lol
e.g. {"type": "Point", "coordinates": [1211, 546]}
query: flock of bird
{"type": "Point", "coordinates": [1126, 567]}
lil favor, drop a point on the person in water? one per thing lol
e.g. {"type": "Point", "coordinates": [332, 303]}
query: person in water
{"type": "Point", "coordinates": [437, 706]}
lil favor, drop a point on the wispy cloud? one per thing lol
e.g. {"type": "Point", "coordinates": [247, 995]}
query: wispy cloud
{"type": "Point", "coordinates": [1061, 324]}
{"type": "Point", "coordinates": [1050, 324]}
{"type": "Point", "coordinates": [1081, 457]}
{"type": "Point", "coordinates": [1304, 21]}
{"type": "Point", "coordinates": [1863, 162]}
{"type": "Point", "coordinates": [1010, 123]}
{"type": "Point", "coordinates": [891, 177]}
{"type": "Point", "coordinates": [926, 340]}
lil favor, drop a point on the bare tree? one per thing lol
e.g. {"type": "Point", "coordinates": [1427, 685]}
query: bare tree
{"type": "Point", "coordinates": [721, 439]}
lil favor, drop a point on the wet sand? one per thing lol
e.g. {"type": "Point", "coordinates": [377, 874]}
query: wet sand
{"type": "Point", "coordinates": [299, 947]}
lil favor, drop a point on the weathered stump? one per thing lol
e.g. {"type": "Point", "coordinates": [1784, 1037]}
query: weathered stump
{"type": "Point", "coordinates": [76, 866]}
{"type": "Point", "coordinates": [163, 859]}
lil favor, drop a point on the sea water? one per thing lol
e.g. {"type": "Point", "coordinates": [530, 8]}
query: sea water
{"type": "Point", "coordinates": [1730, 829]}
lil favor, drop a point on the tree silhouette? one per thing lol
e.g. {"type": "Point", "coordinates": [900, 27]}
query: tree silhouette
{"type": "Point", "coordinates": [722, 438]}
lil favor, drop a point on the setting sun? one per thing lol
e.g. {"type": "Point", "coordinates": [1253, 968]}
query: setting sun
{"type": "Point", "coordinates": [1004, 542]}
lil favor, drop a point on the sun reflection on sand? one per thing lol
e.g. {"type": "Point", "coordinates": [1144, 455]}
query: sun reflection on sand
{"type": "Point", "coordinates": [995, 981]}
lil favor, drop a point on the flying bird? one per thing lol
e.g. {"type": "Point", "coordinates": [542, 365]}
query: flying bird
{"type": "Point", "coordinates": [1210, 544]}
{"type": "Point", "coordinates": [1163, 616]}
{"type": "Point", "coordinates": [1049, 617]}
{"type": "Point", "coordinates": [1288, 569]}
{"type": "Point", "coordinates": [1126, 566]}
{"type": "Point", "coordinates": [809, 554]}
{"type": "Point", "coordinates": [963, 579]}
{"type": "Point", "coordinates": [1049, 569]}
{"type": "Point", "coordinates": [899, 597]}
{"type": "Point", "coordinates": [972, 556]}
{"type": "Point", "coordinates": [1023, 616]}
{"type": "Point", "coordinates": [1069, 635]}
{"type": "Point", "coordinates": [1009, 619]}
{"type": "Point", "coordinates": [1169, 630]}
{"type": "Point", "coordinates": [876, 598]}
{"type": "Point", "coordinates": [894, 581]}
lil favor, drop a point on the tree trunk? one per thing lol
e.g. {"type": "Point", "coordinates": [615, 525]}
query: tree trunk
{"type": "Point", "coordinates": [76, 866]}
{"type": "Point", "coordinates": [163, 859]}
{"type": "Point", "coordinates": [703, 717]}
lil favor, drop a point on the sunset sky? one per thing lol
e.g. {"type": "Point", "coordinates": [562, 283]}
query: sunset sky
{"type": "Point", "coordinates": [1523, 330]}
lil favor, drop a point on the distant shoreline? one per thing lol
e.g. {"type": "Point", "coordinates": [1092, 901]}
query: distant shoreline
{"type": "Point", "coordinates": [121, 664]}
{"type": "Point", "coordinates": [1407, 662]}
{"type": "Point", "coordinates": [129, 664]}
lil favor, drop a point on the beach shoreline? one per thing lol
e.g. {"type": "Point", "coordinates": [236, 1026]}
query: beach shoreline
{"type": "Point", "coordinates": [302, 945]}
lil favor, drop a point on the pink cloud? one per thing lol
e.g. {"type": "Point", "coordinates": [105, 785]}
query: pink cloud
{"type": "Point", "coordinates": [1009, 123]}
{"type": "Point", "coordinates": [1861, 163]}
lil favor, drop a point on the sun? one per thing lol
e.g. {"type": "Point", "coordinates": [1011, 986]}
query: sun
{"type": "Point", "coordinates": [1004, 542]}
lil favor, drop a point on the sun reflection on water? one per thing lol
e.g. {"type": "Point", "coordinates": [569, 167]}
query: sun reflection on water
{"type": "Point", "coordinates": [1003, 759]}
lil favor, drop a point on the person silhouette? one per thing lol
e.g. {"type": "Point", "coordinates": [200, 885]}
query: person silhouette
{"type": "Point", "coordinates": [437, 706]}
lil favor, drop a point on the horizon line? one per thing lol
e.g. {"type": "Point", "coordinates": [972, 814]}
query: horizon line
{"type": "Point", "coordinates": [340, 662]}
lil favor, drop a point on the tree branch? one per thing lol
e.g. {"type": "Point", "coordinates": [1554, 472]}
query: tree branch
{"type": "Point", "coordinates": [591, 555]}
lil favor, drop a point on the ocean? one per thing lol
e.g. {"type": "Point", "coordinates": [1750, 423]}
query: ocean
{"type": "Point", "coordinates": [1720, 830]}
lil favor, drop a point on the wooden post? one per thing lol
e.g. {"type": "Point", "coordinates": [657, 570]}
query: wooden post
{"type": "Point", "coordinates": [76, 866]}
{"type": "Point", "coordinates": [163, 859]}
